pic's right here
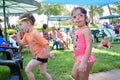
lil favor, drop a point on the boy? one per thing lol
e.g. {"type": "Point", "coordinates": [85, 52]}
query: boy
{"type": "Point", "coordinates": [37, 44]}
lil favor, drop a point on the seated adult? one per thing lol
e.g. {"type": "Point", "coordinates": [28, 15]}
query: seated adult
{"type": "Point", "coordinates": [61, 39]}
{"type": "Point", "coordinates": [53, 35]}
{"type": "Point", "coordinates": [116, 29]}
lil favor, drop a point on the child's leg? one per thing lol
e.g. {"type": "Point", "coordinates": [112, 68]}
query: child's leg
{"type": "Point", "coordinates": [85, 75]}
{"type": "Point", "coordinates": [44, 72]}
{"type": "Point", "coordinates": [30, 66]}
{"type": "Point", "coordinates": [100, 46]}
{"type": "Point", "coordinates": [53, 44]}
{"type": "Point", "coordinates": [74, 73]}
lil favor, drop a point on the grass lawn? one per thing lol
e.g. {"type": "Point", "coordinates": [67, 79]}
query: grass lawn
{"type": "Point", "coordinates": [60, 67]}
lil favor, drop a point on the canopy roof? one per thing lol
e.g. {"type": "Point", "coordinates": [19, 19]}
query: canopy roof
{"type": "Point", "coordinates": [18, 6]}
{"type": "Point", "coordinates": [80, 2]}
{"type": "Point", "coordinates": [8, 7]}
{"type": "Point", "coordinates": [59, 18]}
{"type": "Point", "coordinates": [110, 17]}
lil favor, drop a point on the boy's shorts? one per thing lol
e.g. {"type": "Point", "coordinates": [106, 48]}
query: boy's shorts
{"type": "Point", "coordinates": [43, 60]}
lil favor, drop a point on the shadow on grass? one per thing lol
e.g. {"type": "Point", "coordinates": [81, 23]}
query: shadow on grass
{"type": "Point", "coordinates": [106, 59]}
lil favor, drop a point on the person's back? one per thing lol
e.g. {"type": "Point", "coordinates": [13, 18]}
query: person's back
{"type": "Point", "coordinates": [45, 31]}
{"type": "Point", "coordinates": [33, 38]}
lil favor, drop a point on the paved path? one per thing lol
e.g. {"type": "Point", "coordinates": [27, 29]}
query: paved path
{"type": "Point", "coordinates": [109, 75]}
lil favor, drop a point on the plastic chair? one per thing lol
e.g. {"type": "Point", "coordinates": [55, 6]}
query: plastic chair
{"type": "Point", "coordinates": [95, 34]}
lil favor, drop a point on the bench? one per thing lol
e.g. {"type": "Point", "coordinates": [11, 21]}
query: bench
{"type": "Point", "coordinates": [13, 61]}
{"type": "Point", "coordinates": [96, 35]}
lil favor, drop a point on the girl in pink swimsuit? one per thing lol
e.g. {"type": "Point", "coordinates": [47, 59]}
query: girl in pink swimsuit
{"type": "Point", "coordinates": [82, 45]}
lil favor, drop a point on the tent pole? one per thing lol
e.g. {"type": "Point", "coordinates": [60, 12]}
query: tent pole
{"type": "Point", "coordinates": [4, 13]}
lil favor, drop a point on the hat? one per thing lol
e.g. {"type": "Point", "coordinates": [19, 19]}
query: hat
{"type": "Point", "coordinates": [23, 19]}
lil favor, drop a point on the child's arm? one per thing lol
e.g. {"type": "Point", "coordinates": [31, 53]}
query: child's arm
{"type": "Point", "coordinates": [43, 43]}
{"type": "Point", "coordinates": [17, 39]}
{"type": "Point", "coordinates": [88, 38]}
{"type": "Point", "coordinates": [109, 45]}
{"type": "Point", "coordinates": [48, 52]}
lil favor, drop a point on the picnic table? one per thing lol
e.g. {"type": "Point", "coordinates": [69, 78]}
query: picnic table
{"type": "Point", "coordinates": [13, 61]}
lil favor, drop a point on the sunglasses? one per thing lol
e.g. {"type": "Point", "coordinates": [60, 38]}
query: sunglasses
{"type": "Point", "coordinates": [79, 15]}
{"type": "Point", "coordinates": [23, 19]}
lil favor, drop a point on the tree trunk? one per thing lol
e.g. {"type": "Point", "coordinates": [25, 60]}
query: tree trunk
{"type": "Point", "coordinates": [109, 9]}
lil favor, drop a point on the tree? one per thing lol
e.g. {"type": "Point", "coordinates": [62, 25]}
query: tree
{"type": "Point", "coordinates": [115, 8]}
{"type": "Point", "coordinates": [94, 11]}
{"type": "Point", "coordinates": [51, 9]}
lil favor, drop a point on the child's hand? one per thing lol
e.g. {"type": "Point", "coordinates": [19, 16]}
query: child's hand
{"type": "Point", "coordinates": [83, 67]}
{"type": "Point", "coordinates": [4, 44]}
{"type": "Point", "coordinates": [14, 36]}
{"type": "Point", "coordinates": [51, 55]}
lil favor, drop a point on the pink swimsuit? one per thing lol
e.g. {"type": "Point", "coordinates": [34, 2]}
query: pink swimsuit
{"type": "Point", "coordinates": [80, 47]}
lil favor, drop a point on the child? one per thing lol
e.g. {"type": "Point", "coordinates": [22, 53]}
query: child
{"type": "Point", "coordinates": [82, 45]}
{"type": "Point", "coordinates": [45, 31]}
{"type": "Point", "coordinates": [104, 43]}
{"type": "Point", "coordinates": [53, 34]}
{"type": "Point", "coordinates": [37, 44]}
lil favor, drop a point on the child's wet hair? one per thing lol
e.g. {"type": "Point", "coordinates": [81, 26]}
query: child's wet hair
{"type": "Point", "coordinates": [104, 35]}
{"type": "Point", "coordinates": [82, 10]}
{"type": "Point", "coordinates": [45, 26]}
{"type": "Point", "coordinates": [27, 16]}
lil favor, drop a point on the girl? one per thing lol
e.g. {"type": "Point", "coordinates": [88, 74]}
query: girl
{"type": "Point", "coordinates": [82, 45]}
{"type": "Point", "coordinates": [105, 43]}
{"type": "Point", "coordinates": [45, 31]}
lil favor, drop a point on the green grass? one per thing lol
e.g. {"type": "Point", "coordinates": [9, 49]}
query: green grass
{"type": "Point", "coordinates": [60, 67]}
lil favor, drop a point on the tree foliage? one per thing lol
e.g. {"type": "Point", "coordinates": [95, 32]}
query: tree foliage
{"type": "Point", "coordinates": [116, 8]}
{"type": "Point", "coordinates": [94, 11]}
{"type": "Point", "coordinates": [50, 9]}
